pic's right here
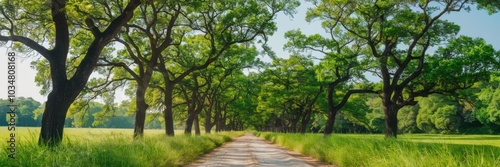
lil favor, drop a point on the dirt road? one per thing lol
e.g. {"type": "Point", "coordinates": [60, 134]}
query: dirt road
{"type": "Point", "coordinates": [250, 150]}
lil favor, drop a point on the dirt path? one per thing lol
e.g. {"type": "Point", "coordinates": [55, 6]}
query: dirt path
{"type": "Point", "coordinates": [250, 150]}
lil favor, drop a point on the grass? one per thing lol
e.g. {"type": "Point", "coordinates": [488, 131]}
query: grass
{"type": "Point", "coordinates": [110, 147]}
{"type": "Point", "coordinates": [407, 150]}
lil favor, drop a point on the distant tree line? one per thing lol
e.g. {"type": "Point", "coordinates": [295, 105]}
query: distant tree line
{"type": "Point", "coordinates": [29, 114]}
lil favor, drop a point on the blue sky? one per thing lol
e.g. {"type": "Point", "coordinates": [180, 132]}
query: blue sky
{"type": "Point", "coordinates": [475, 24]}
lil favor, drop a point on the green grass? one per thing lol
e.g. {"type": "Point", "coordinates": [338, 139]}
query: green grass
{"type": "Point", "coordinates": [110, 147]}
{"type": "Point", "coordinates": [407, 150]}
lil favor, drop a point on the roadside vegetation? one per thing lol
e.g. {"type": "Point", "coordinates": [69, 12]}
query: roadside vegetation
{"type": "Point", "coordinates": [408, 150]}
{"type": "Point", "coordinates": [103, 147]}
{"type": "Point", "coordinates": [392, 67]}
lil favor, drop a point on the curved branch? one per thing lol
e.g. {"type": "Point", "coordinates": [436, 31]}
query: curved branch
{"type": "Point", "coordinates": [28, 42]}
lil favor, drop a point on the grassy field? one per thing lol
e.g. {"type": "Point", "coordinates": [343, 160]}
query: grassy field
{"type": "Point", "coordinates": [109, 147]}
{"type": "Point", "coordinates": [407, 150]}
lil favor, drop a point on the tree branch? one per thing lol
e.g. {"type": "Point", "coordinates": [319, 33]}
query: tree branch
{"type": "Point", "coordinates": [30, 43]}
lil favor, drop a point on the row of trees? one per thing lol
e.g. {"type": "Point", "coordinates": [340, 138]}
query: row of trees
{"type": "Point", "coordinates": [188, 56]}
{"type": "Point", "coordinates": [173, 39]}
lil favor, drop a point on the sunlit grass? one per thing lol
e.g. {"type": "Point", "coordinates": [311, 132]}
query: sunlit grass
{"type": "Point", "coordinates": [492, 140]}
{"type": "Point", "coordinates": [110, 147]}
{"type": "Point", "coordinates": [407, 150]}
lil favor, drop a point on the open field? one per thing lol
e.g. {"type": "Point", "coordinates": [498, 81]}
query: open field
{"type": "Point", "coordinates": [83, 132]}
{"type": "Point", "coordinates": [115, 147]}
{"type": "Point", "coordinates": [109, 147]}
{"type": "Point", "coordinates": [492, 140]}
{"type": "Point", "coordinates": [407, 150]}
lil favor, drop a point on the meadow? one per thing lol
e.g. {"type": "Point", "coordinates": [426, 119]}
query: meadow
{"type": "Point", "coordinates": [408, 150]}
{"type": "Point", "coordinates": [115, 147]}
{"type": "Point", "coordinates": [109, 147]}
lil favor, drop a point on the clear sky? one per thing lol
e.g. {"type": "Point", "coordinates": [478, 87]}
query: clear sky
{"type": "Point", "coordinates": [475, 24]}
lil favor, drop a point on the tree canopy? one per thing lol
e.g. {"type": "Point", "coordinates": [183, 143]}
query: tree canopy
{"type": "Point", "coordinates": [189, 63]}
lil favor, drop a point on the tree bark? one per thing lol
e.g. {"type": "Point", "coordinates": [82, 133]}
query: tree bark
{"type": "Point", "coordinates": [305, 121]}
{"type": "Point", "coordinates": [330, 122]}
{"type": "Point", "coordinates": [168, 111]}
{"type": "Point", "coordinates": [332, 111]}
{"type": "Point", "coordinates": [189, 123]}
{"type": "Point", "coordinates": [208, 119]}
{"type": "Point", "coordinates": [140, 112]}
{"type": "Point", "coordinates": [217, 116]}
{"type": "Point", "coordinates": [54, 116]}
{"type": "Point", "coordinates": [197, 126]}
{"type": "Point", "coordinates": [391, 119]}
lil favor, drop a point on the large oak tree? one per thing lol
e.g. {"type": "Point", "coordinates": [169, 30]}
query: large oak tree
{"type": "Point", "coordinates": [57, 28]}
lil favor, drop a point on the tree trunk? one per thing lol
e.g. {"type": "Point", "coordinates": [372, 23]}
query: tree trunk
{"type": "Point", "coordinates": [217, 116]}
{"type": "Point", "coordinates": [332, 112]}
{"type": "Point", "coordinates": [168, 112]}
{"type": "Point", "coordinates": [65, 91]}
{"type": "Point", "coordinates": [189, 123]}
{"type": "Point", "coordinates": [208, 120]}
{"type": "Point", "coordinates": [305, 121]}
{"type": "Point", "coordinates": [197, 126]}
{"type": "Point", "coordinates": [140, 101]}
{"type": "Point", "coordinates": [54, 115]}
{"type": "Point", "coordinates": [293, 127]}
{"type": "Point", "coordinates": [391, 119]}
{"type": "Point", "coordinates": [140, 111]}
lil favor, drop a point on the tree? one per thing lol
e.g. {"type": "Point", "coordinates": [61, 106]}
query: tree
{"type": "Point", "coordinates": [289, 93]}
{"type": "Point", "coordinates": [24, 111]}
{"type": "Point", "coordinates": [407, 119]}
{"type": "Point", "coordinates": [65, 87]}
{"type": "Point", "coordinates": [492, 6]}
{"type": "Point", "coordinates": [145, 37]}
{"type": "Point", "coordinates": [242, 108]}
{"type": "Point", "coordinates": [222, 79]}
{"type": "Point", "coordinates": [438, 113]}
{"type": "Point", "coordinates": [220, 26]}
{"type": "Point", "coordinates": [340, 66]}
{"type": "Point", "coordinates": [488, 107]}
{"type": "Point", "coordinates": [398, 35]}
{"type": "Point", "coordinates": [195, 101]}
{"type": "Point", "coordinates": [246, 104]}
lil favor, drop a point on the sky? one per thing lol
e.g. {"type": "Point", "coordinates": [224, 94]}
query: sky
{"type": "Point", "coordinates": [474, 23]}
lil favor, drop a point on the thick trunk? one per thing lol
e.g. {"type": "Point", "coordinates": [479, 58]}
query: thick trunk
{"type": "Point", "coordinates": [332, 112]}
{"type": "Point", "coordinates": [189, 123]}
{"type": "Point", "coordinates": [140, 111]}
{"type": "Point", "coordinates": [54, 115]}
{"type": "Point", "coordinates": [208, 120]}
{"type": "Point", "coordinates": [391, 119]}
{"type": "Point", "coordinates": [197, 126]}
{"type": "Point", "coordinates": [168, 112]}
{"type": "Point", "coordinates": [65, 91]}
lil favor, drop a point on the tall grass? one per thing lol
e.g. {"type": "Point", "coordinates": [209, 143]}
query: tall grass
{"type": "Point", "coordinates": [350, 150]}
{"type": "Point", "coordinates": [115, 149]}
